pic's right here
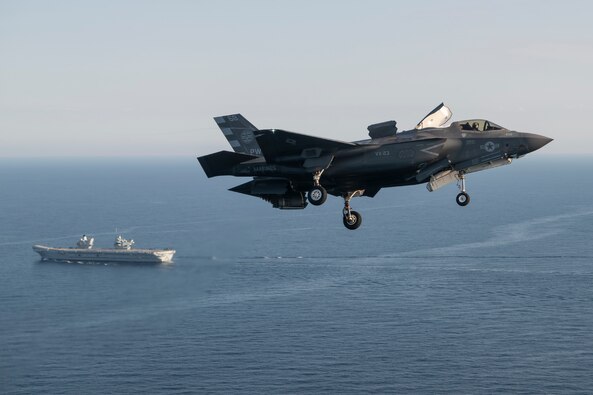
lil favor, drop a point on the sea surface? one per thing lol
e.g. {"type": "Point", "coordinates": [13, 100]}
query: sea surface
{"type": "Point", "coordinates": [426, 297]}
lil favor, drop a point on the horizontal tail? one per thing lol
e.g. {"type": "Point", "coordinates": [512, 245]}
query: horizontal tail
{"type": "Point", "coordinates": [221, 163]}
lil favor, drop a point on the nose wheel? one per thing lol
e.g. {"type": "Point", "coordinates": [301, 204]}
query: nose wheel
{"type": "Point", "coordinates": [462, 197]}
{"type": "Point", "coordinates": [351, 219]}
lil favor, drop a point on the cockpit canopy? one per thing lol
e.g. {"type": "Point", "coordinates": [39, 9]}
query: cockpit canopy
{"type": "Point", "coordinates": [477, 125]}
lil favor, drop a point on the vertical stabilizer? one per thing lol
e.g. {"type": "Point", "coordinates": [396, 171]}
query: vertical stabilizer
{"type": "Point", "coordinates": [239, 133]}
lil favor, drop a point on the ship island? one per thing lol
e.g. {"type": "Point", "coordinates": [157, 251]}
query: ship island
{"type": "Point", "coordinates": [123, 251]}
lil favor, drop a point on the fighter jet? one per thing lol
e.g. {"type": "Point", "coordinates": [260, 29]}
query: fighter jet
{"type": "Point", "coordinates": [290, 169]}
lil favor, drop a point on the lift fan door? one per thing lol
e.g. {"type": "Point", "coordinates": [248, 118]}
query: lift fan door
{"type": "Point", "coordinates": [436, 118]}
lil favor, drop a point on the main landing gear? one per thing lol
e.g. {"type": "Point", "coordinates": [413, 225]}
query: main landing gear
{"type": "Point", "coordinates": [317, 195]}
{"type": "Point", "coordinates": [462, 198]}
{"type": "Point", "coordinates": [352, 219]}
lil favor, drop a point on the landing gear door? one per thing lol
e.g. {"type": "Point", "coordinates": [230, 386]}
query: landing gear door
{"type": "Point", "coordinates": [436, 118]}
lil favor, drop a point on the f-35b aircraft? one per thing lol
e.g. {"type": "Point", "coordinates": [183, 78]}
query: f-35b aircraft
{"type": "Point", "coordinates": [290, 168]}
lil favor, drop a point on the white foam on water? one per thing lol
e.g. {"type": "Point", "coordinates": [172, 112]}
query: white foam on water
{"type": "Point", "coordinates": [532, 229]}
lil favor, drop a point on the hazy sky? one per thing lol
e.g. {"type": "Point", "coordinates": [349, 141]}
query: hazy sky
{"type": "Point", "coordinates": [146, 77]}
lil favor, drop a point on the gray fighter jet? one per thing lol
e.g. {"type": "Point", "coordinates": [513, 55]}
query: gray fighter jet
{"type": "Point", "coordinates": [289, 169]}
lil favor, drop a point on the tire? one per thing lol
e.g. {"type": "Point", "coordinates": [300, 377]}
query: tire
{"type": "Point", "coordinates": [462, 199]}
{"type": "Point", "coordinates": [354, 222]}
{"type": "Point", "coordinates": [317, 195]}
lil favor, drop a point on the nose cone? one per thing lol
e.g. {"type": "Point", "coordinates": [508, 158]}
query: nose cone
{"type": "Point", "coordinates": [536, 141]}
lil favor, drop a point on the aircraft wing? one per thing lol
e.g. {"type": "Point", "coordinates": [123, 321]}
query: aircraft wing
{"type": "Point", "coordinates": [280, 145]}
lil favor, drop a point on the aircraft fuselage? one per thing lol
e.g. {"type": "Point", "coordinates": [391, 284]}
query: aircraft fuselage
{"type": "Point", "coordinates": [398, 160]}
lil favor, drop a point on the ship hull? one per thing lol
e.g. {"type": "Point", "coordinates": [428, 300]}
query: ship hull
{"type": "Point", "coordinates": [103, 255]}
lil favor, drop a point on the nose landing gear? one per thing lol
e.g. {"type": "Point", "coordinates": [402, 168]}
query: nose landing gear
{"type": "Point", "coordinates": [351, 219]}
{"type": "Point", "coordinates": [462, 198]}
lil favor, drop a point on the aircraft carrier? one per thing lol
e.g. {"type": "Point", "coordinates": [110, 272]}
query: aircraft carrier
{"type": "Point", "coordinates": [122, 252]}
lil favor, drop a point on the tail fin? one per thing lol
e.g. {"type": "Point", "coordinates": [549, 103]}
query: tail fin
{"type": "Point", "coordinates": [239, 133]}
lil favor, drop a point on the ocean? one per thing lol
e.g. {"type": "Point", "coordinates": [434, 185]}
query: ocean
{"type": "Point", "coordinates": [426, 297]}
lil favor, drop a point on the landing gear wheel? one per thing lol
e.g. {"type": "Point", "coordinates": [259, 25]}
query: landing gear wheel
{"type": "Point", "coordinates": [317, 195]}
{"type": "Point", "coordinates": [354, 221]}
{"type": "Point", "coordinates": [462, 199]}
